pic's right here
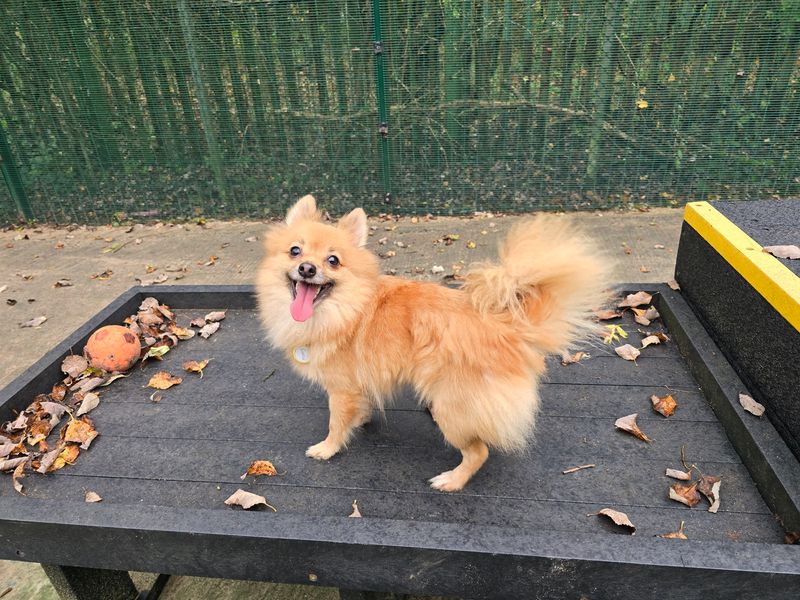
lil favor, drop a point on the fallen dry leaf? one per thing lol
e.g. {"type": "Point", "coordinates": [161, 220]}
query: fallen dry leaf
{"type": "Point", "coordinates": [356, 513]}
{"type": "Point", "coordinates": [61, 283]}
{"type": "Point", "coordinates": [247, 500]}
{"type": "Point", "coordinates": [92, 497]}
{"type": "Point", "coordinates": [48, 459]}
{"type": "Point", "coordinates": [164, 380]}
{"type": "Point", "coordinates": [665, 405]}
{"type": "Point", "coordinates": [74, 364]}
{"type": "Point", "coordinates": [639, 316]}
{"type": "Point", "coordinates": [643, 269]}
{"type": "Point", "coordinates": [607, 314]}
{"type": "Point", "coordinates": [260, 467]}
{"type": "Point", "coordinates": [619, 518]}
{"type": "Point", "coordinates": [37, 322]}
{"type": "Point", "coordinates": [675, 535]}
{"type": "Point", "coordinates": [629, 425]}
{"type": "Point", "coordinates": [212, 317]}
{"type": "Point", "coordinates": [636, 299]}
{"type": "Point", "coordinates": [81, 431]}
{"type": "Point", "coordinates": [208, 330]}
{"type": "Point", "coordinates": [674, 285]}
{"type": "Point", "coordinates": [112, 378]}
{"type": "Point", "coordinates": [650, 339]}
{"type": "Point", "coordinates": [194, 366]}
{"type": "Point", "coordinates": [198, 322]}
{"type": "Point", "coordinates": [12, 463]}
{"type": "Point", "coordinates": [790, 252]}
{"type": "Point", "coordinates": [18, 474]}
{"type": "Point", "coordinates": [155, 352]}
{"type": "Point", "coordinates": [793, 537]}
{"type": "Point", "coordinates": [709, 487]}
{"type": "Point", "coordinates": [145, 281]}
{"type": "Point", "coordinates": [58, 392]}
{"type": "Point", "coordinates": [576, 469]}
{"type": "Point", "coordinates": [751, 405]}
{"type": "Point", "coordinates": [627, 352]}
{"type": "Point", "coordinates": [651, 314]}
{"type": "Point", "coordinates": [86, 385]}
{"type": "Point", "coordinates": [675, 474]}
{"type": "Point", "coordinates": [103, 276]}
{"type": "Point", "coordinates": [88, 404]}
{"type": "Point", "coordinates": [568, 359]}
{"type": "Point", "coordinates": [181, 332]}
{"type": "Point", "coordinates": [685, 494]}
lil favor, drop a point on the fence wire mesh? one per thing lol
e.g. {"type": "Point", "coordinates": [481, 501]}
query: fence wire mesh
{"type": "Point", "coordinates": [157, 109]}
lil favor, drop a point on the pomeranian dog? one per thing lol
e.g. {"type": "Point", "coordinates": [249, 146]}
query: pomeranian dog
{"type": "Point", "coordinates": [474, 355]}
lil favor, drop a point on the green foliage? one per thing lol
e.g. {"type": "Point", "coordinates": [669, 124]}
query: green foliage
{"type": "Point", "coordinates": [126, 109]}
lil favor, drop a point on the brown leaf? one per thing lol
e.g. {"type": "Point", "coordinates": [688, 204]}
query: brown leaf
{"type": "Point", "coordinates": [73, 365]}
{"type": "Point", "coordinates": [12, 463]}
{"type": "Point", "coordinates": [103, 276]}
{"type": "Point", "coordinates": [675, 535]}
{"type": "Point", "coordinates": [21, 422]}
{"type": "Point", "coordinates": [643, 269]}
{"type": "Point", "coordinates": [145, 281]}
{"type": "Point", "coordinates": [629, 425]}
{"type": "Point", "coordinates": [650, 339]}
{"type": "Point", "coordinates": [18, 474]}
{"type": "Point", "coordinates": [88, 404]}
{"type": "Point", "coordinates": [751, 405]}
{"type": "Point", "coordinates": [619, 518]}
{"type": "Point", "coordinates": [636, 299]}
{"type": "Point", "coordinates": [198, 322]}
{"type": "Point", "coordinates": [194, 366]}
{"type": "Point", "coordinates": [685, 494]}
{"type": "Point", "coordinates": [675, 474]}
{"type": "Point", "coordinates": [62, 283]}
{"type": "Point", "coordinates": [181, 332]}
{"type": "Point", "coordinates": [260, 467]}
{"type": "Point", "coordinates": [639, 316]}
{"type": "Point", "coordinates": [568, 359]}
{"type": "Point", "coordinates": [627, 352]}
{"type": "Point", "coordinates": [6, 448]}
{"type": "Point", "coordinates": [607, 314]}
{"type": "Point", "coordinates": [790, 252]}
{"type": "Point", "coordinates": [81, 431]}
{"type": "Point", "coordinates": [208, 330]}
{"type": "Point", "coordinates": [651, 314]}
{"type": "Point", "coordinates": [247, 500]}
{"type": "Point", "coordinates": [793, 537]}
{"type": "Point", "coordinates": [58, 392]}
{"type": "Point", "coordinates": [356, 513]}
{"type": "Point", "coordinates": [665, 405]}
{"type": "Point", "coordinates": [86, 385]}
{"type": "Point", "coordinates": [709, 487]}
{"type": "Point", "coordinates": [92, 497]}
{"type": "Point", "coordinates": [37, 322]}
{"type": "Point", "coordinates": [218, 315]}
{"type": "Point", "coordinates": [674, 285]}
{"type": "Point", "coordinates": [163, 381]}
{"type": "Point", "coordinates": [49, 458]}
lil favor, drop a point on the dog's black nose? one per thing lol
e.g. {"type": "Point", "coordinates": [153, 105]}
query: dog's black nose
{"type": "Point", "coordinates": [307, 270]}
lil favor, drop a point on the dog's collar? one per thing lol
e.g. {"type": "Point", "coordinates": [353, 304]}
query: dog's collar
{"type": "Point", "coordinates": [302, 355]}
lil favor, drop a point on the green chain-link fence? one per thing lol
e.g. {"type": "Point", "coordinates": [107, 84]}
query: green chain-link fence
{"type": "Point", "coordinates": [155, 109]}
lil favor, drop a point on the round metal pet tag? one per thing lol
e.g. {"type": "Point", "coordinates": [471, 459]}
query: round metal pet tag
{"type": "Point", "coordinates": [302, 355]}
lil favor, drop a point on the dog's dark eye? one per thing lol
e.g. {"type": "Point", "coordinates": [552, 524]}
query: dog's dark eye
{"type": "Point", "coordinates": [295, 251]}
{"type": "Point", "coordinates": [333, 261]}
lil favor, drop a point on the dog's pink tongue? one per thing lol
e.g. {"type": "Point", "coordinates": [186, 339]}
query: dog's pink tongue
{"type": "Point", "coordinates": [303, 303]}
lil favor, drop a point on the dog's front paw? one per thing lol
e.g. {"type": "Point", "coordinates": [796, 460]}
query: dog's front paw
{"type": "Point", "coordinates": [322, 451]}
{"type": "Point", "coordinates": [449, 481]}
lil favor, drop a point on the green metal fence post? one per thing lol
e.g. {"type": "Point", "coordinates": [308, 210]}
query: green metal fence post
{"type": "Point", "coordinates": [603, 89]}
{"type": "Point", "coordinates": [13, 180]}
{"type": "Point", "coordinates": [202, 100]}
{"type": "Point", "coordinates": [383, 112]}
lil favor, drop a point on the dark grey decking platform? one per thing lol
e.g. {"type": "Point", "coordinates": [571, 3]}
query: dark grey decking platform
{"type": "Point", "coordinates": [520, 528]}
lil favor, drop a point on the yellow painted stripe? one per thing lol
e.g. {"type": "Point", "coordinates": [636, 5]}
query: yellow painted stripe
{"type": "Point", "coordinates": [768, 276]}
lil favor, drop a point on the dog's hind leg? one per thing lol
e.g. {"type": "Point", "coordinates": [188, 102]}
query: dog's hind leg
{"type": "Point", "coordinates": [474, 455]}
{"type": "Point", "coordinates": [347, 411]}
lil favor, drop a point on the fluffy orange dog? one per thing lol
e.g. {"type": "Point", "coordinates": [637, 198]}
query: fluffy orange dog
{"type": "Point", "coordinates": [473, 355]}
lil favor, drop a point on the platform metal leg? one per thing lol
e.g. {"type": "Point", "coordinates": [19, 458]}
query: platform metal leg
{"type": "Point", "coordinates": [78, 583]}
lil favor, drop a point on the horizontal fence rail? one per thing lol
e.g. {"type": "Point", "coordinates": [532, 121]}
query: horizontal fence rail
{"type": "Point", "coordinates": [160, 109]}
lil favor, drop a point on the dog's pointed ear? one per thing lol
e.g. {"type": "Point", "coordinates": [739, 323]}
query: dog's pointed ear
{"type": "Point", "coordinates": [304, 209]}
{"type": "Point", "coordinates": [355, 223]}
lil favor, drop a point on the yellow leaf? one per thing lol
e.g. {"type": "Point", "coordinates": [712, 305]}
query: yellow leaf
{"type": "Point", "coordinates": [671, 78]}
{"type": "Point", "coordinates": [641, 104]}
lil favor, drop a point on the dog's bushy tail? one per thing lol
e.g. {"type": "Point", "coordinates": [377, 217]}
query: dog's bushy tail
{"type": "Point", "coordinates": [549, 276]}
